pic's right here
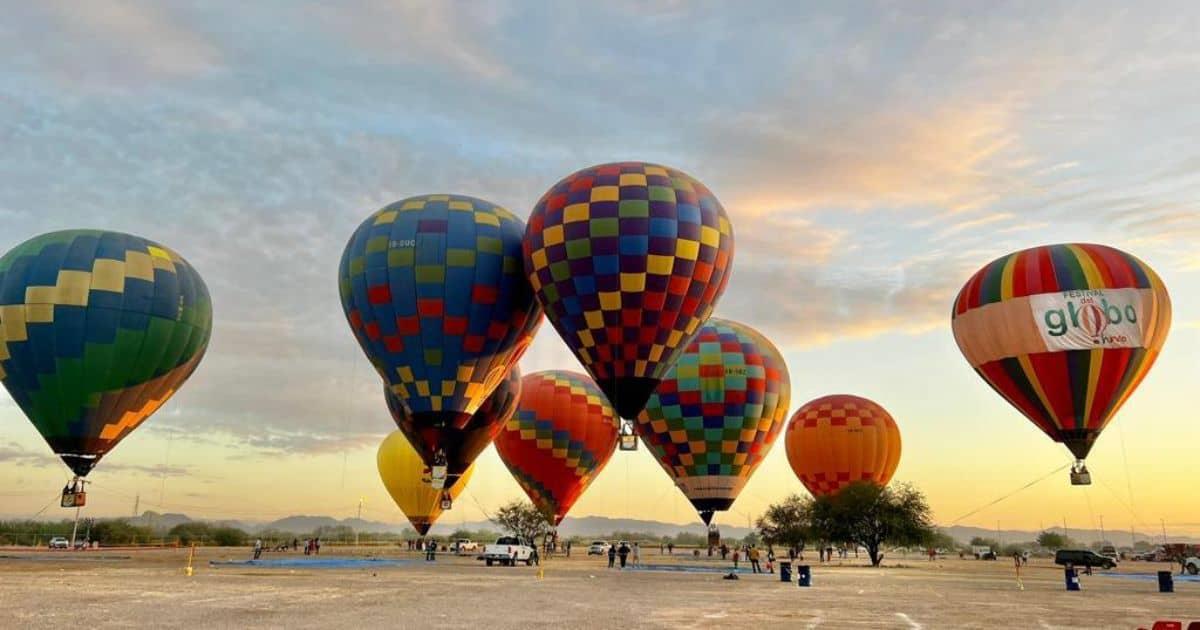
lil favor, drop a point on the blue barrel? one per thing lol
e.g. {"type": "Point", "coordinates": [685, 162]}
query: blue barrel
{"type": "Point", "coordinates": [805, 573]}
{"type": "Point", "coordinates": [785, 571]}
{"type": "Point", "coordinates": [1166, 582]}
{"type": "Point", "coordinates": [1072, 578]}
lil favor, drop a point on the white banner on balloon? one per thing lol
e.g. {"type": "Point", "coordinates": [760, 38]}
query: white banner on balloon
{"type": "Point", "coordinates": [1095, 318]}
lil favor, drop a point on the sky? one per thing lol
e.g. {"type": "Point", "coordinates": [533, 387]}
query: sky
{"type": "Point", "coordinates": [871, 156]}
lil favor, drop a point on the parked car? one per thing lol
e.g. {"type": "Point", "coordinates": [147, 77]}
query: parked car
{"type": "Point", "coordinates": [58, 542]}
{"type": "Point", "coordinates": [1083, 558]}
{"type": "Point", "coordinates": [598, 548]}
{"type": "Point", "coordinates": [1109, 551]}
{"type": "Point", "coordinates": [983, 552]}
{"type": "Point", "coordinates": [462, 545]}
{"type": "Point", "coordinates": [1192, 565]}
{"type": "Point", "coordinates": [507, 550]}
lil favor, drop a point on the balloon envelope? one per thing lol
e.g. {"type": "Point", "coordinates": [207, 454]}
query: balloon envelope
{"type": "Point", "coordinates": [561, 437]}
{"type": "Point", "coordinates": [402, 472]}
{"type": "Point", "coordinates": [714, 417]}
{"type": "Point", "coordinates": [97, 331]}
{"type": "Point", "coordinates": [628, 260]}
{"type": "Point", "coordinates": [434, 291]}
{"type": "Point", "coordinates": [460, 444]}
{"type": "Point", "coordinates": [1064, 333]}
{"type": "Point", "coordinates": [837, 440]}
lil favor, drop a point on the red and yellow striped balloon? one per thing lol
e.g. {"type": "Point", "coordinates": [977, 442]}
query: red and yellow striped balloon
{"type": "Point", "coordinates": [1064, 333]}
{"type": "Point", "coordinates": [837, 440]}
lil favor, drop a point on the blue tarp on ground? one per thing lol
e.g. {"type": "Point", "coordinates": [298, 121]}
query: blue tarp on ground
{"type": "Point", "coordinates": [331, 562]}
{"type": "Point", "coordinates": [1152, 577]}
{"type": "Point", "coordinates": [676, 568]}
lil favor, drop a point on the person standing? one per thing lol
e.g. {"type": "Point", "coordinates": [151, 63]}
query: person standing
{"type": "Point", "coordinates": [612, 555]}
{"type": "Point", "coordinates": [771, 560]}
{"type": "Point", "coordinates": [637, 554]}
{"type": "Point", "coordinates": [736, 556]}
{"type": "Point", "coordinates": [257, 548]}
{"type": "Point", "coordinates": [568, 548]}
{"type": "Point", "coordinates": [623, 552]}
{"type": "Point", "coordinates": [317, 546]}
{"type": "Point", "coordinates": [754, 568]}
{"type": "Point", "coordinates": [671, 548]}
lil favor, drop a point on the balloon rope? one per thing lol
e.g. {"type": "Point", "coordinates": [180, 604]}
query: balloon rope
{"type": "Point", "coordinates": [1127, 506]}
{"type": "Point", "coordinates": [995, 501]}
{"type": "Point", "coordinates": [1125, 458]}
{"type": "Point", "coordinates": [478, 505]}
{"type": "Point", "coordinates": [44, 507]}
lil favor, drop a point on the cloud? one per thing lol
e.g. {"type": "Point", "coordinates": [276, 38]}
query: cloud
{"type": "Point", "coordinates": [13, 453]}
{"type": "Point", "coordinates": [107, 43]}
{"type": "Point", "coordinates": [160, 470]}
{"type": "Point", "coordinates": [870, 160]}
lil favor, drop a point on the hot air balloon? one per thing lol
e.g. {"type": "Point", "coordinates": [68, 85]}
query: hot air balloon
{"type": "Point", "coordinates": [451, 446]}
{"type": "Point", "coordinates": [837, 440]}
{"type": "Point", "coordinates": [434, 292]}
{"type": "Point", "coordinates": [560, 438]}
{"type": "Point", "coordinates": [628, 260]}
{"type": "Point", "coordinates": [401, 469]}
{"type": "Point", "coordinates": [714, 417]}
{"type": "Point", "coordinates": [97, 330]}
{"type": "Point", "coordinates": [1064, 333]}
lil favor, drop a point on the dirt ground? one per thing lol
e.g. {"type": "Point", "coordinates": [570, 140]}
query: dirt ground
{"type": "Point", "coordinates": [122, 589]}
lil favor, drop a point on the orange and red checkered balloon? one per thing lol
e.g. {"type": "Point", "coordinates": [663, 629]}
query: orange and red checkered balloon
{"type": "Point", "coordinates": [628, 260]}
{"type": "Point", "coordinates": [560, 438]}
{"type": "Point", "coordinates": [837, 440]}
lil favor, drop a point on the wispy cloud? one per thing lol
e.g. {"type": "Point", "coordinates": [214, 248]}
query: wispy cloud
{"type": "Point", "coordinates": [870, 159]}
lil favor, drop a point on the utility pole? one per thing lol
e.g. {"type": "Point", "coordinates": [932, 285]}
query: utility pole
{"type": "Point", "coordinates": [359, 524]}
{"type": "Point", "coordinates": [1163, 522]}
{"type": "Point", "coordinates": [1102, 530]}
{"type": "Point", "coordinates": [137, 501]}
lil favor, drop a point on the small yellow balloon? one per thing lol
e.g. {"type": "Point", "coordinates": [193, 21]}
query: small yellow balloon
{"type": "Point", "coordinates": [403, 474]}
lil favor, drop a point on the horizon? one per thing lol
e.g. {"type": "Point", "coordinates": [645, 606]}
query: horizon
{"type": "Point", "coordinates": [870, 161]}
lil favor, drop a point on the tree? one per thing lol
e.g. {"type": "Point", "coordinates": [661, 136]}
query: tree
{"type": "Point", "coordinates": [521, 519]}
{"type": "Point", "coordinates": [228, 537]}
{"type": "Point", "coordinates": [942, 540]}
{"type": "Point", "coordinates": [787, 523]}
{"type": "Point", "coordinates": [990, 543]}
{"type": "Point", "coordinates": [869, 515]}
{"type": "Point", "coordinates": [1052, 540]}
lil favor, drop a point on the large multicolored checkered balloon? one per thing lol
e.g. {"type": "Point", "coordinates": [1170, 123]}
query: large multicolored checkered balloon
{"type": "Point", "coordinates": [1064, 333]}
{"type": "Point", "coordinates": [434, 291]}
{"type": "Point", "coordinates": [97, 331]}
{"type": "Point", "coordinates": [714, 417]}
{"type": "Point", "coordinates": [561, 437]}
{"type": "Point", "coordinates": [838, 440]}
{"type": "Point", "coordinates": [628, 260]}
{"type": "Point", "coordinates": [459, 444]}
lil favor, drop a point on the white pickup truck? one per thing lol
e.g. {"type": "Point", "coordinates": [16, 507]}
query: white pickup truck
{"type": "Point", "coordinates": [507, 550]}
{"type": "Point", "coordinates": [462, 545]}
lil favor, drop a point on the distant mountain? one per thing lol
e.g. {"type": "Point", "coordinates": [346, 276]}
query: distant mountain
{"type": "Point", "coordinates": [599, 526]}
{"type": "Point", "coordinates": [1117, 537]}
{"type": "Point", "coordinates": [307, 524]}
{"type": "Point", "coordinates": [158, 522]}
